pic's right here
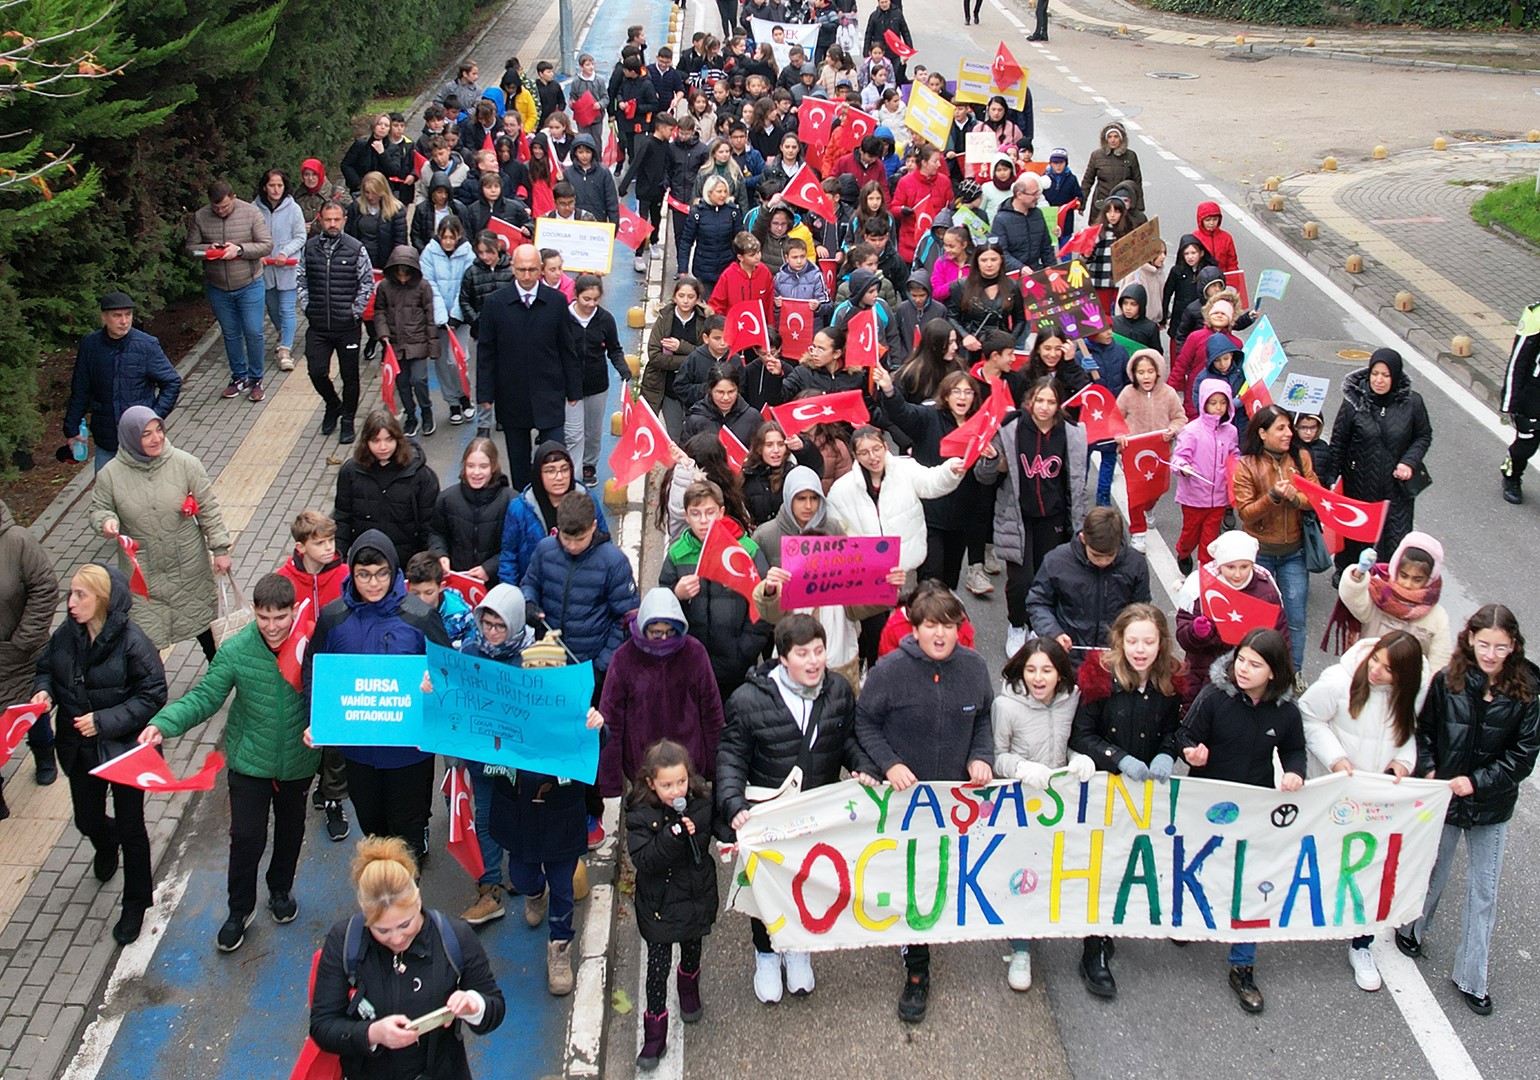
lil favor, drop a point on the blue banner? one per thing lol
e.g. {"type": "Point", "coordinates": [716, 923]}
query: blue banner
{"type": "Point", "coordinates": [527, 718]}
{"type": "Point", "coordinates": [366, 700]}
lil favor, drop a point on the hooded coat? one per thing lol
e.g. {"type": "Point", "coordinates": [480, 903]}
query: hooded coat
{"type": "Point", "coordinates": [29, 593]}
{"type": "Point", "coordinates": [704, 417]}
{"type": "Point", "coordinates": [1030, 730]}
{"type": "Point", "coordinates": [658, 373]}
{"type": "Point", "coordinates": [1158, 409]}
{"type": "Point", "coordinates": [286, 225]}
{"type": "Point", "coordinates": [1189, 319]}
{"type": "Point", "coordinates": [709, 230]}
{"type": "Point", "coordinates": [594, 185]}
{"type": "Point", "coordinates": [425, 218]}
{"type": "Point", "coordinates": [1106, 168]}
{"type": "Point", "coordinates": [1367, 740]}
{"type": "Point", "coordinates": [1181, 287]}
{"type": "Point", "coordinates": [1216, 346]}
{"type": "Point", "coordinates": [1431, 630]}
{"type": "Point", "coordinates": [676, 880]}
{"type": "Point", "coordinates": [445, 273]}
{"type": "Point", "coordinates": [720, 617]}
{"type": "Point", "coordinates": [146, 497]}
{"type": "Point", "coordinates": [586, 596]}
{"type": "Point", "coordinates": [658, 689]}
{"type": "Point", "coordinates": [1196, 633]}
{"type": "Point", "coordinates": [467, 525]}
{"type": "Point", "coordinates": [1112, 721]}
{"type": "Point", "coordinates": [1071, 595]}
{"type": "Point", "coordinates": [1206, 445]}
{"type": "Point", "coordinates": [1373, 434]}
{"type": "Point", "coordinates": [1009, 529]}
{"type": "Point", "coordinates": [1220, 244]}
{"type": "Point", "coordinates": [397, 500]}
{"type": "Point", "coordinates": [531, 517]}
{"type": "Point", "coordinates": [480, 282]}
{"type": "Point", "coordinates": [1140, 328]}
{"type": "Point", "coordinates": [1242, 735]}
{"type": "Point", "coordinates": [117, 677]}
{"type": "Point", "coordinates": [914, 196]}
{"type": "Point", "coordinates": [403, 313]}
{"type": "Point", "coordinates": [911, 316]}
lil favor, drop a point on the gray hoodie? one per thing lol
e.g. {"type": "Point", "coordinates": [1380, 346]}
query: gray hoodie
{"type": "Point", "coordinates": [661, 605]}
{"type": "Point", "coordinates": [768, 536]}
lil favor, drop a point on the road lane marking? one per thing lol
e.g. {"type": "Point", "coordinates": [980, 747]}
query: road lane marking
{"type": "Point", "coordinates": [1191, 174]}
{"type": "Point", "coordinates": [1435, 1036]}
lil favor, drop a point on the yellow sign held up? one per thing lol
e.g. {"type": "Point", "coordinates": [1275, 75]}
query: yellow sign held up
{"type": "Point", "coordinates": [929, 115]}
{"type": "Point", "coordinates": [976, 85]}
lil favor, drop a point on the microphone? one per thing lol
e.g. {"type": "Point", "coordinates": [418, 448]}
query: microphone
{"type": "Point", "coordinates": [679, 804]}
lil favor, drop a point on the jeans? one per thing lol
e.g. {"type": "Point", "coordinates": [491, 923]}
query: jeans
{"type": "Point", "coordinates": [584, 429]}
{"type": "Point", "coordinates": [1243, 954]}
{"type": "Point", "coordinates": [449, 383]}
{"type": "Point", "coordinates": [280, 309]}
{"type": "Point", "coordinates": [1484, 848]}
{"type": "Point", "coordinates": [250, 798]}
{"type": "Point", "coordinates": [1294, 584]}
{"type": "Point", "coordinates": [1109, 466]}
{"type": "Point", "coordinates": [491, 850]}
{"type": "Point", "coordinates": [529, 879]}
{"type": "Point", "coordinates": [394, 802]}
{"type": "Point", "coordinates": [239, 313]}
{"type": "Point", "coordinates": [413, 382]}
{"type": "Point", "coordinates": [100, 458]}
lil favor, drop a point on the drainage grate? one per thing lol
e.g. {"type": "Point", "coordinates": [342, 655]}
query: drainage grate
{"type": "Point", "coordinates": [1170, 75]}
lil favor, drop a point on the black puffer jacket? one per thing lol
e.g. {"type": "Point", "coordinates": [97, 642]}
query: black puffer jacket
{"type": "Point", "coordinates": [761, 741]}
{"type": "Point", "coordinates": [1371, 437]}
{"type": "Point", "coordinates": [380, 235]}
{"type": "Point", "coordinates": [467, 525]}
{"type": "Point", "coordinates": [709, 230]}
{"type": "Point", "coordinates": [676, 895]}
{"type": "Point", "coordinates": [1241, 735]}
{"type": "Point", "coordinates": [396, 499]}
{"type": "Point", "coordinates": [1111, 721]}
{"type": "Point", "coordinates": [1071, 596]}
{"type": "Point", "coordinates": [1492, 742]}
{"type": "Point", "coordinates": [118, 678]}
{"type": "Point", "coordinates": [684, 162]}
{"type": "Point", "coordinates": [480, 282]}
{"type": "Point", "coordinates": [332, 272]}
{"type": "Point", "coordinates": [704, 417]}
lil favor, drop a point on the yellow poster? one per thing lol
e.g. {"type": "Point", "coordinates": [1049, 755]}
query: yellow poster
{"type": "Point", "coordinates": [929, 115]}
{"type": "Point", "coordinates": [976, 85]}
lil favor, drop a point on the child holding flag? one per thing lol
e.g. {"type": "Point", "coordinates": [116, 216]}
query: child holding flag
{"type": "Point", "coordinates": [1148, 404]}
{"type": "Point", "coordinates": [270, 765]}
{"type": "Point", "coordinates": [1201, 457]}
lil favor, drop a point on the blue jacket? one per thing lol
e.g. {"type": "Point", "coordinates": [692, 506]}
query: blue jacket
{"type": "Point", "coordinates": [1111, 361]}
{"type": "Point", "coordinates": [445, 271]}
{"type": "Point", "coordinates": [585, 596]}
{"type": "Point", "coordinates": [1025, 238]}
{"type": "Point", "coordinates": [523, 529]}
{"type": "Point", "coordinates": [111, 376]}
{"type": "Point", "coordinates": [710, 231]}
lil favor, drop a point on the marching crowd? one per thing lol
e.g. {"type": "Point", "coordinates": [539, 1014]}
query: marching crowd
{"type": "Point", "coordinates": [707, 695]}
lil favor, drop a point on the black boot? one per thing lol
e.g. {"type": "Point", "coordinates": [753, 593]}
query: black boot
{"type": "Point", "coordinates": [914, 999]}
{"type": "Point", "coordinates": [345, 434]}
{"type": "Point", "coordinates": [1245, 987]}
{"type": "Point", "coordinates": [329, 419]}
{"type": "Point", "coordinates": [1094, 971]}
{"type": "Point", "coordinates": [47, 766]}
{"type": "Point", "coordinates": [1513, 486]}
{"type": "Point", "coordinates": [1184, 563]}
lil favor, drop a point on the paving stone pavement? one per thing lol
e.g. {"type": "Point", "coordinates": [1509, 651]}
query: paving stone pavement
{"type": "Point", "coordinates": [1409, 218]}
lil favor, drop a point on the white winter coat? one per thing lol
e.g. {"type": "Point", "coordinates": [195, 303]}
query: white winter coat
{"type": "Point", "coordinates": [1028, 730]}
{"type": "Point", "coordinates": [897, 511]}
{"type": "Point", "coordinates": [1367, 740]}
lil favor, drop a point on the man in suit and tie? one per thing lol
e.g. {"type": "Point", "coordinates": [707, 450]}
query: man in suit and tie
{"type": "Point", "coordinates": [527, 365]}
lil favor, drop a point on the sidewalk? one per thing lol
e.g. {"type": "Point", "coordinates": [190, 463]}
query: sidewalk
{"type": "Point", "coordinates": [1409, 218]}
{"type": "Point", "coordinates": [1513, 53]}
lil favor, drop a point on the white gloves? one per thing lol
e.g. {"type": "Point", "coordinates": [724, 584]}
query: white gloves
{"type": "Point", "coordinates": [1081, 768]}
{"type": "Point", "coordinates": [1034, 775]}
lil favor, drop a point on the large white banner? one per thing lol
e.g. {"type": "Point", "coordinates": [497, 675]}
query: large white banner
{"type": "Point", "coordinates": [782, 36]}
{"type": "Point", "coordinates": [1202, 860]}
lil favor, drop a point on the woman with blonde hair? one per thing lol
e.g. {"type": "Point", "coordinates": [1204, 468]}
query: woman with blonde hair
{"type": "Point", "coordinates": [394, 963]}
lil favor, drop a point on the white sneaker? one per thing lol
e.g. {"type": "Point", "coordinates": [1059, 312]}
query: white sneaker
{"type": "Point", "coordinates": [991, 564]}
{"type": "Point", "coordinates": [1366, 972]}
{"type": "Point", "coordinates": [285, 359]}
{"type": "Point", "coordinates": [799, 973]}
{"type": "Point", "coordinates": [656, 251]}
{"type": "Point", "coordinates": [767, 977]}
{"type": "Point", "coordinates": [1015, 638]}
{"type": "Point", "coordinates": [977, 582]}
{"type": "Point", "coordinates": [640, 264]}
{"type": "Point", "coordinates": [1019, 976]}
{"type": "Point", "coordinates": [1137, 539]}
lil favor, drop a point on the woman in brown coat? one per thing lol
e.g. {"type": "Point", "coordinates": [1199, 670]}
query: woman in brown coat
{"type": "Point", "coordinates": [1110, 166]}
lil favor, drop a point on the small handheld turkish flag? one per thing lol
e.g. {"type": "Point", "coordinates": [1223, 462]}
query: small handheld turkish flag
{"type": "Point", "coordinates": [419, 164]}
{"type": "Point", "coordinates": [815, 121]}
{"type": "Point", "coordinates": [862, 348]}
{"type": "Point", "coordinates": [15, 722]}
{"type": "Point", "coordinates": [805, 190]}
{"type": "Point", "coordinates": [860, 124]}
{"type": "Point", "coordinates": [472, 590]}
{"type": "Point", "coordinates": [1005, 71]}
{"type": "Point", "coordinates": [633, 229]}
{"type": "Point", "coordinates": [797, 416]}
{"type": "Point", "coordinates": [1098, 413]}
{"type": "Point", "coordinates": [747, 327]}
{"type": "Point", "coordinates": [1233, 612]}
{"type": "Point", "coordinates": [1255, 397]}
{"type": "Point", "coordinates": [796, 328]}
{"type": "Point", "coordinates": [643, 441]}
{"type": "Point", "coordinates": [390, 371]}
{"type": "Point", "coordinates": [136, 582]}
{"type": "Point", "coordinates": [901, 48]}
{"type": "Point", "coordinates": [737, 453]}
{"type": "Point", "coordinates": [463, 845]}
{"type": "Point", "coordinates": [727, 562]}
{"type": "Point", "coordinates": [510, 235]}
{"type": "Point", "coordinates": [1147, 474]}
{"type": "Point", "coordinates": [585, 110]}
{"type": "Point", "coordinates": [970, 438]}
{"type": "Point", "coordinates": [190, 505]}
{"type": "Point", "coordinates": [458, 352]}
{"type": "Point", "coordinates": [611, 152]}
{"type": "Point", "coordinates": [830, 269]}
{"type": "Point", "coordinates": [368, 315]}
{"type": "Point", "coordinates": [291, 654]}
{"type": "Point", "coordinates": [1352, 518]}
{"type": "Point", "coordinates": [144, 768]}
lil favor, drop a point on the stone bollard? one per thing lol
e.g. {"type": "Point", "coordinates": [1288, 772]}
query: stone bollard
{"type": "Point", "coordinates": [1533, 136]}
{"type": "Point", "coordinates": [1122, 29]}
{"type": "Point", "coordinates": [1459, 345]}
{"type": "Point", "coordinates": [1240, 39]}
{"type": "Point", "coordinates": [1275, 202]}
{"type": "Point", "coordinates": [636, 317]}
{"type": "Point", "coordinates": [1271, 183]}
{"type": "Point", "coordinates": [1441, 143]}
{"type": "Point", "coordinates": [1329, 164]}
{"type": "Point", "coordinates": [615, 494]}
{"type": "Point", "coordinates": [616, 424]}
{"type": "Point", "coordinates": [1310, 43]}
{"type": "Point", "coordinates": [1355, 264]}
{"type": "Point", "coordinates": [634, 363]}
{"type": "Point", "coordinates": [1312, 231]}
{"type": "Point", "coordinates": [1380, 153]}
{"type": "Point", "coordinates": [1405, 301]}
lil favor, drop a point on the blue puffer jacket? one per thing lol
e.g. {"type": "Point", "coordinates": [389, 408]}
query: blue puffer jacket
{"type": "Point", "coordinates": [112, 375]}
{"type": "Point", "coordinates": [523, 529]}
{"type": "Point", "coordinates": [585, 596]}
{"type": "Point", "coordinates": [445, 271]}
{"type": "Point", "coordinates": [710, 231]}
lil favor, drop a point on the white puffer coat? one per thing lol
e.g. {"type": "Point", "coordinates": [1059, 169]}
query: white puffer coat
{"type": "Point", "coordinates": [898, 510]}
{"type": "Point", "coordinates": [1367, 740]}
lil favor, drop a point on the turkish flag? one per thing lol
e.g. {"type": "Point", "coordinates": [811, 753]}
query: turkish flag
{"type": "Point", "coordinates": [390, 371]}
{"type": "Point", "coordinates": [611, 152]}
{"type": "Point", "coordinates": [368, 315]}
{"type": "Point", "coordinates": [970, 438]}
{"type": "Point", "coordinates": [488, 144]}
{"type": "Point", "coordinates": [1098, 413]}
{"type": "Point", "coordinates": [643, 441]}
{"type": "Point", "coordinates": [419, 164]}
{"type": "Point", "coordinates": [727, 562]}
{"type": "Point", "coordinates": [190, 506]}
{"type": "Point", "coordinates": [815, 121]}
{"type": "Point", "coordinates": [1082, 243]}
{"type": "Point", "coordinates": [737, 453]}
{"type": "Point", "coordinates": [144, 768]}
{"type": "Point", "coordinates": [901, 48]}
{"type": "Point", "coordinates": [748, 326]}
{"type": "Point", "coordinates": [1352, 518]}
{"type": "Point", "coordinates": [16, 721]}
{"type": "Point", "coordinates": [862, 340]}
{"type": "Point", "coordinates": [1005, 71]}
{"type": "Point", "coordinates": [1333, 540]}
{"type": "Point", "coordinates": [1254, 398]}
{"type": "Point", "coordinates": [829, 268]}
{"type": "Point", "coordinates": [1147, 474]}
{"type": "Point", "coordinates": [1236, 279]}
{"type": "Point", "coordinates": [1065, 211]}
{"type": "Point", "coordinates": [463, 844]}
{"type": "Point", "coordinates": [472, 590]}
{"type": "Point", "coordinates": [552, 156]}
{"type": "Point", "coordinates": [136, 583]}
{"type": "Point", "coordinates": [506, 231]}
{"type": "Point", "coordinates": [585, 110]}
{"type": "Point", "coordinates": [458, 352]}
{"type": "Point", "coordinates": [1023, 358]}
{"type": "Point", "coordinates": [1233, 612]}
{"type": "Point", "coordinates": [860, 124]}
{"type": "Point", "coordinates": [633, 229]}
{"type": "Point", "coordinates": [796, 326]}
{"type": "Point", "coordinates": [804, 190]}
{"type": "Point", "coordinates": [797, 416]}
{"type": "Point", "coordinates": [291, 654]}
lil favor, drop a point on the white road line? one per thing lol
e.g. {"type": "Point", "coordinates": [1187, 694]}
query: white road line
{"type": "Point", "coordinates": [1073, 78]}
{"type": "Point", "coordinates": [1089, 90]}
{"type": "Point", "coordinates": [1131, 126]}
{"type": "Point", "coordinates": [1151, 143]}
{"type": "Point", "coordinates": [1013, 20]}
{"type": "Point", "coordinates": [1191, 174]}
{"type": "Point", "coordinates": [1048, 55]}
{"type": "Point", "coordinates": [1064, 69]}
{"type": "Point", "coordinates": [1118, 113]}
{"type": "Point", "coordinates": [1436, 1037]}
{"type": "Point", "coordinates": [1168, 155]}
{"type": "Point", "coordinates": [1100, 100]}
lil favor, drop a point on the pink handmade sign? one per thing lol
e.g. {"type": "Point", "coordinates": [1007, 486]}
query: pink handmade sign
{"type": "Point", "coordinates": [838, 570]}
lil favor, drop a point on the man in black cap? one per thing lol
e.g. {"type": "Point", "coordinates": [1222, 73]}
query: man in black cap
{"type": "Point", "coordinates": [117, 367]}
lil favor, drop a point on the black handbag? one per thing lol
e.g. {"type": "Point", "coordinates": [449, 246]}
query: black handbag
{"type": "Point", "coordinates": [1317, 559]}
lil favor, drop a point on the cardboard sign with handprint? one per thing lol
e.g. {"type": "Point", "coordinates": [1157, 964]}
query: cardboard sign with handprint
{"type": "Point", "coordinates": [1063, 295]}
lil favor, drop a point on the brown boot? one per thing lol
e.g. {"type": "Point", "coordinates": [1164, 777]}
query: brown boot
{"type": "Point", "coordinates": [488, 905]}
{"type": "Point", "coordinates": [558, 968]}
{"type": "Point", "coordinates": [535, 908]}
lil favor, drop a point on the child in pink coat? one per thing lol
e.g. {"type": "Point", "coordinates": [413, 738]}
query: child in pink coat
{"type": "Point", "coordinates": [1149, 404]}
{"type": "Point", "coordinates": [1201, 458]}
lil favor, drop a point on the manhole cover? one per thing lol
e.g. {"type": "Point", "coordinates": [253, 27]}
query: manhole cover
{"type": "Point", "coordinates": [1170, 75]}
{"type": "Point", "coordinates": [1353, 354]}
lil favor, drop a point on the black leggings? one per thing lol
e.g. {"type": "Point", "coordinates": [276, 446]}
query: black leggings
{"type": "Point", "coordinates": [660, 961]}
{"type": "Point", "coordinates": [974, 13]}
{"type": "Point", "coordinates": [1041, 535]}
{"type": "Point", "coordinates": [1526, 436]}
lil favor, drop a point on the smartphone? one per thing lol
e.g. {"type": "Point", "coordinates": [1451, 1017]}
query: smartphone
{"type": "Point", "coordinates": [428, 1021]}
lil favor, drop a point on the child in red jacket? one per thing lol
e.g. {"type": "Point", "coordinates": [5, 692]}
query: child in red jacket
{"type": "Point", "coordinates": [746, 280]}
{"type": "Point", "coordinates": [1220, 244]}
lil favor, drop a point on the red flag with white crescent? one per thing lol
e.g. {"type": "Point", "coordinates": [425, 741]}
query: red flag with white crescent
{"type": "Point", "coordinates": [747, 326]}
{"type": "Point", "coordinates": [144, 768]}
{"type": "Point", "coordinates": [472, 590]}
{"type": "Point", "coordinates": [737, 453]}
{"type": "Point", "coordinates": [901, 48]}
{"type": "Point", "coordinates": [1233, 612]}
{"type": "Point", "coordinates": [419, 164]}
{"type": "Point", "coordinates": [463, 845]}
{"type": "Point", "coordinates": [136, 582]}
{"type": "Point", "coordinates": [1098, 413]}
{"type": "Point", "coordinates": [506, 231]}
{"type": "Point", "coordinates": [727, 562]}
{"type": "Point", "coordinates": [15, 722]}
{"type": "Point", "coordinates": [815, 121]}
{"type": "Point", "coordinates": [368, 315]}
{"type": "Point", "coordinates": [458, 352]}
{"type": "Point", "coordinates": [1352, 518]}
{"type": "Point", "coordinates": [1005, 71]}
{"type": "Point", "coordinates": [796, 328]}
{"type": "Point", "coordinates": [291, 654]}
{"type": "Point", "coordinates": [970, 438]}
{"type": "Point", "coordinates": [862, 340]}
{"type": "Point", "coordinates": [633, 229]}
{"type": "Point", "coordinates": [390, 371]}
{"type": "Point", "coordinates": [643, 442]}
{"type": "Point", "coordinates": [1147, 474]}
{"type": "Point", "coordinates": [805, 190]}
{"type": "Point", "coordinates": [861, 124]}
{"type": "Point", "coordinates": [829, 268]}
{"type": "Point", "coordinates": [611, 152]}
{"type": "Point", "coordinates": [797, 416]}
{"type": "Point", "coordinates": [1255, 397]}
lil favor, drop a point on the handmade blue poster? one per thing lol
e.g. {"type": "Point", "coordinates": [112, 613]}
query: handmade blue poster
{"type": "Point", "coordinates": [366, 701]}
{"type": "Point", "coordinates": [527, 718]}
